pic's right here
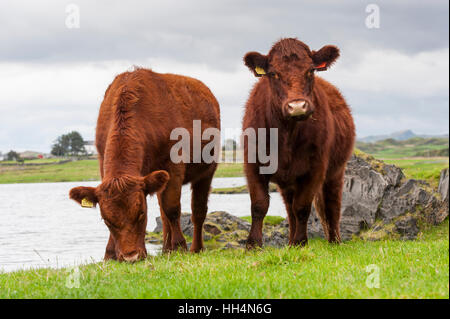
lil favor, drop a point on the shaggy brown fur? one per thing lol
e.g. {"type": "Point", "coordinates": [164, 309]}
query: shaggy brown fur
{"type": "Point", "coordinates": [313, 147]}
{"type": "Point", "coordinates": [138, 113]}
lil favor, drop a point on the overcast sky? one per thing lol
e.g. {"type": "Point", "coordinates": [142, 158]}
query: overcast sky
{"type": "Point", "coordinates": [52, 78]}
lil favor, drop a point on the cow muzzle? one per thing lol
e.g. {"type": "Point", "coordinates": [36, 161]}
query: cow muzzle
{"type": "Point", "coordinates": [133, 257]}
{"type": "Point", "coordinates": [299, 109]}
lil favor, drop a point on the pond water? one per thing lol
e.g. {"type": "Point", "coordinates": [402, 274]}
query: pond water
{"type": "Point", "coordinates": [41, 227]}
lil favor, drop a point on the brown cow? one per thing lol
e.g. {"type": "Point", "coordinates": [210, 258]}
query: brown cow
{"type": "Point", "coordinates": [315, 133]}
{"type": "Point", "coordinates": [137, 115]}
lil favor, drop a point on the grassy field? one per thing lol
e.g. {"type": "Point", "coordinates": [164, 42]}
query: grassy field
{"type": "Point", "coordinates": [87, 170]}
{"type": "Point", "coordinates": [414, 147]}
{"type": "Point", "coordinates": [229, 170]}
{"type": "Point", "coordinates": [84, 170]}
{"type": "Point", "coordinates": [428, 169]}
{"type": "Point", "coordinates": [406, 269]}
{"type": "Point", "coordinates": [34, 161]}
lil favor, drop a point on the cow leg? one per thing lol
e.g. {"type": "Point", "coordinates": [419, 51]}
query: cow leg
{"type": "Point", "coordinates": [305, 192]}
{"type": "Point", "coordinates": [199, 206]}
{"type": "Point", "coordinates": [167, 235]}
{"type": "Point", "coordinates": [302, 210]}
{"type": "Point", "coordinates": [170, 204]}
{"type": "Point", "coordinates": [332, 196]}
{"type": "Point", "coordinates": [110, 253]}
{"type": "Point", "coordinates": [258, 188]}
{"type": "Point", "coordinates": [288, 198]}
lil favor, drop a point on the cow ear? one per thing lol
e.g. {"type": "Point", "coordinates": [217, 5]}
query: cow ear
{"type": "Point", "coordinates": [156, 181]}
{"type": "Point", "coordinates": [256, 62]}
{"type": "Point", "coordinates": [85, 196]}
{"type": "Point", "coordinates": [325, 57]}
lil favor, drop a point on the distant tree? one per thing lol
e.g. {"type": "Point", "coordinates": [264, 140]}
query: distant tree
{"type": "Point", "coordinates": [76, 144]}
{"type": "Point", "coordinates": [71, 144]}
{"type": "Point", "coordinates": [12, 156]}
{"type": "Point", "coordinates": [58, 149]}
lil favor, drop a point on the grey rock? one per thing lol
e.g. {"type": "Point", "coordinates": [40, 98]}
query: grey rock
{"type": "Point", "coordinates": [215, 224]}
{"type": "Point", "coordinates": [185, 222]}
{"type": "Point", "coordinates": [405, 198]}
{"type": "Point", "coordinates": [377, 191]}
{"type": "Point", "coordinates": [443, 185]}
{"type": "Point", "coordinates": [276, 236]}
{"type": "Point", "coordinates": [364, 188]}
{"type": "Point", "coordinates": [227, 221]}
{"type": "Point", "coordinates": [407, 228]}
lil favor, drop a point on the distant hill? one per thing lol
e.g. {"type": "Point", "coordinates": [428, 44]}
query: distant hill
{"type": "Point", "coordinates": [413, 147]}
{"type": "Point", "coordinates": [398, 136]}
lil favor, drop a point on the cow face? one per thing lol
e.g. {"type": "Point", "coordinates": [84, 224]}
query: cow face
{"type": "Point", "coordinates": [123, 208]}
{"type": "Point", "coordinates": [290, 68]}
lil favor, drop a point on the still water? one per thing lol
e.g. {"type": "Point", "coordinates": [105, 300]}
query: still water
{"type": "Point", "coordinates": [41, 227]}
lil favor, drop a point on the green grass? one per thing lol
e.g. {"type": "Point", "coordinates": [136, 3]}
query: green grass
{"type": "Point", "coordinates": [84, 170]}
{"type": "Point", "coordinates": [407, 269]}
{"type": "Point", "coordinates": [269, 220]}
{"type": "Point", "coordinates": [428, 169]}
{"type": "Point", "coordinates": [229, 170]}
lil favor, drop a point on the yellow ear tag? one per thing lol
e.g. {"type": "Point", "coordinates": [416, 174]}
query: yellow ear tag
{"type": "Point", "coordinates": [260, 70]}
{"type": "Point", "coordinates": [86, 203]}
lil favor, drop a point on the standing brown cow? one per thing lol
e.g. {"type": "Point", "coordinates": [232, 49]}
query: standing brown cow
{"type": "Point", "coordinates": [315, 133]}
{"type": "Point", "coordinates": [139, 111]}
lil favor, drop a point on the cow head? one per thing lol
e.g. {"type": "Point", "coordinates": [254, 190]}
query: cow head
{"type": "Point", "coordinates": [123, 208]}
{"type": "Point", "coordinates": [290, 68]}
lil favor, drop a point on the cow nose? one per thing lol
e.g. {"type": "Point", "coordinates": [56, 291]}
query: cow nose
{"type": "Point", "coordinates": [298, 107]}
{"type": "Point", "coordinates": [133, 257]}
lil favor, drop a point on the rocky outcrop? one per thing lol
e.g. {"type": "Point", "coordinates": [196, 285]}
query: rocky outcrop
{"type": "Point", "coordinates": [378, 201]}
{"type": "Point", "coordinates": [223, 230]}
{"type": "Point", "coordinates": [378, 194]}
{"type": "Point", "coordinates": [443, 185]}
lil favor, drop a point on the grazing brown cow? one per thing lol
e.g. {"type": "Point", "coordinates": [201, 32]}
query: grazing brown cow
{"type": "Point", "coordinates": [139, 111]}
{"type": "Point", "coordinates": [315, 137]}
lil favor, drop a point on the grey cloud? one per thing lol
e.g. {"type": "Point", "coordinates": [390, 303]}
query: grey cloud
{"type": "Point", "coordinates": [212, 32]}
{"type": "Point", "coordinates": [216, 34]}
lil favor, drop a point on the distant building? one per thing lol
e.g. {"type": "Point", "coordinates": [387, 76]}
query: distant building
{"type": "Point", "coordinates": [31, 155]}
{"type": "Point", "coordinates": [90, 147]}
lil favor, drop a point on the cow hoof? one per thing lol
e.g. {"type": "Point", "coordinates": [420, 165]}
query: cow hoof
{"type": "Point", "coordinates": [253, 244]}
{"type": "Point", "coordinates": [196, 249]}
{"type": "Point", "coordinates": [180, 245]}
{"type": "Point", "coordinates": [334, 241]}
{"type": "Point", "coordinates": [299, 243]}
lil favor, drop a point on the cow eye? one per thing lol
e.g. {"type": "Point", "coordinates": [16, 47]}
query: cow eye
{"type": "Point", "coordinates": [274, 75]}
